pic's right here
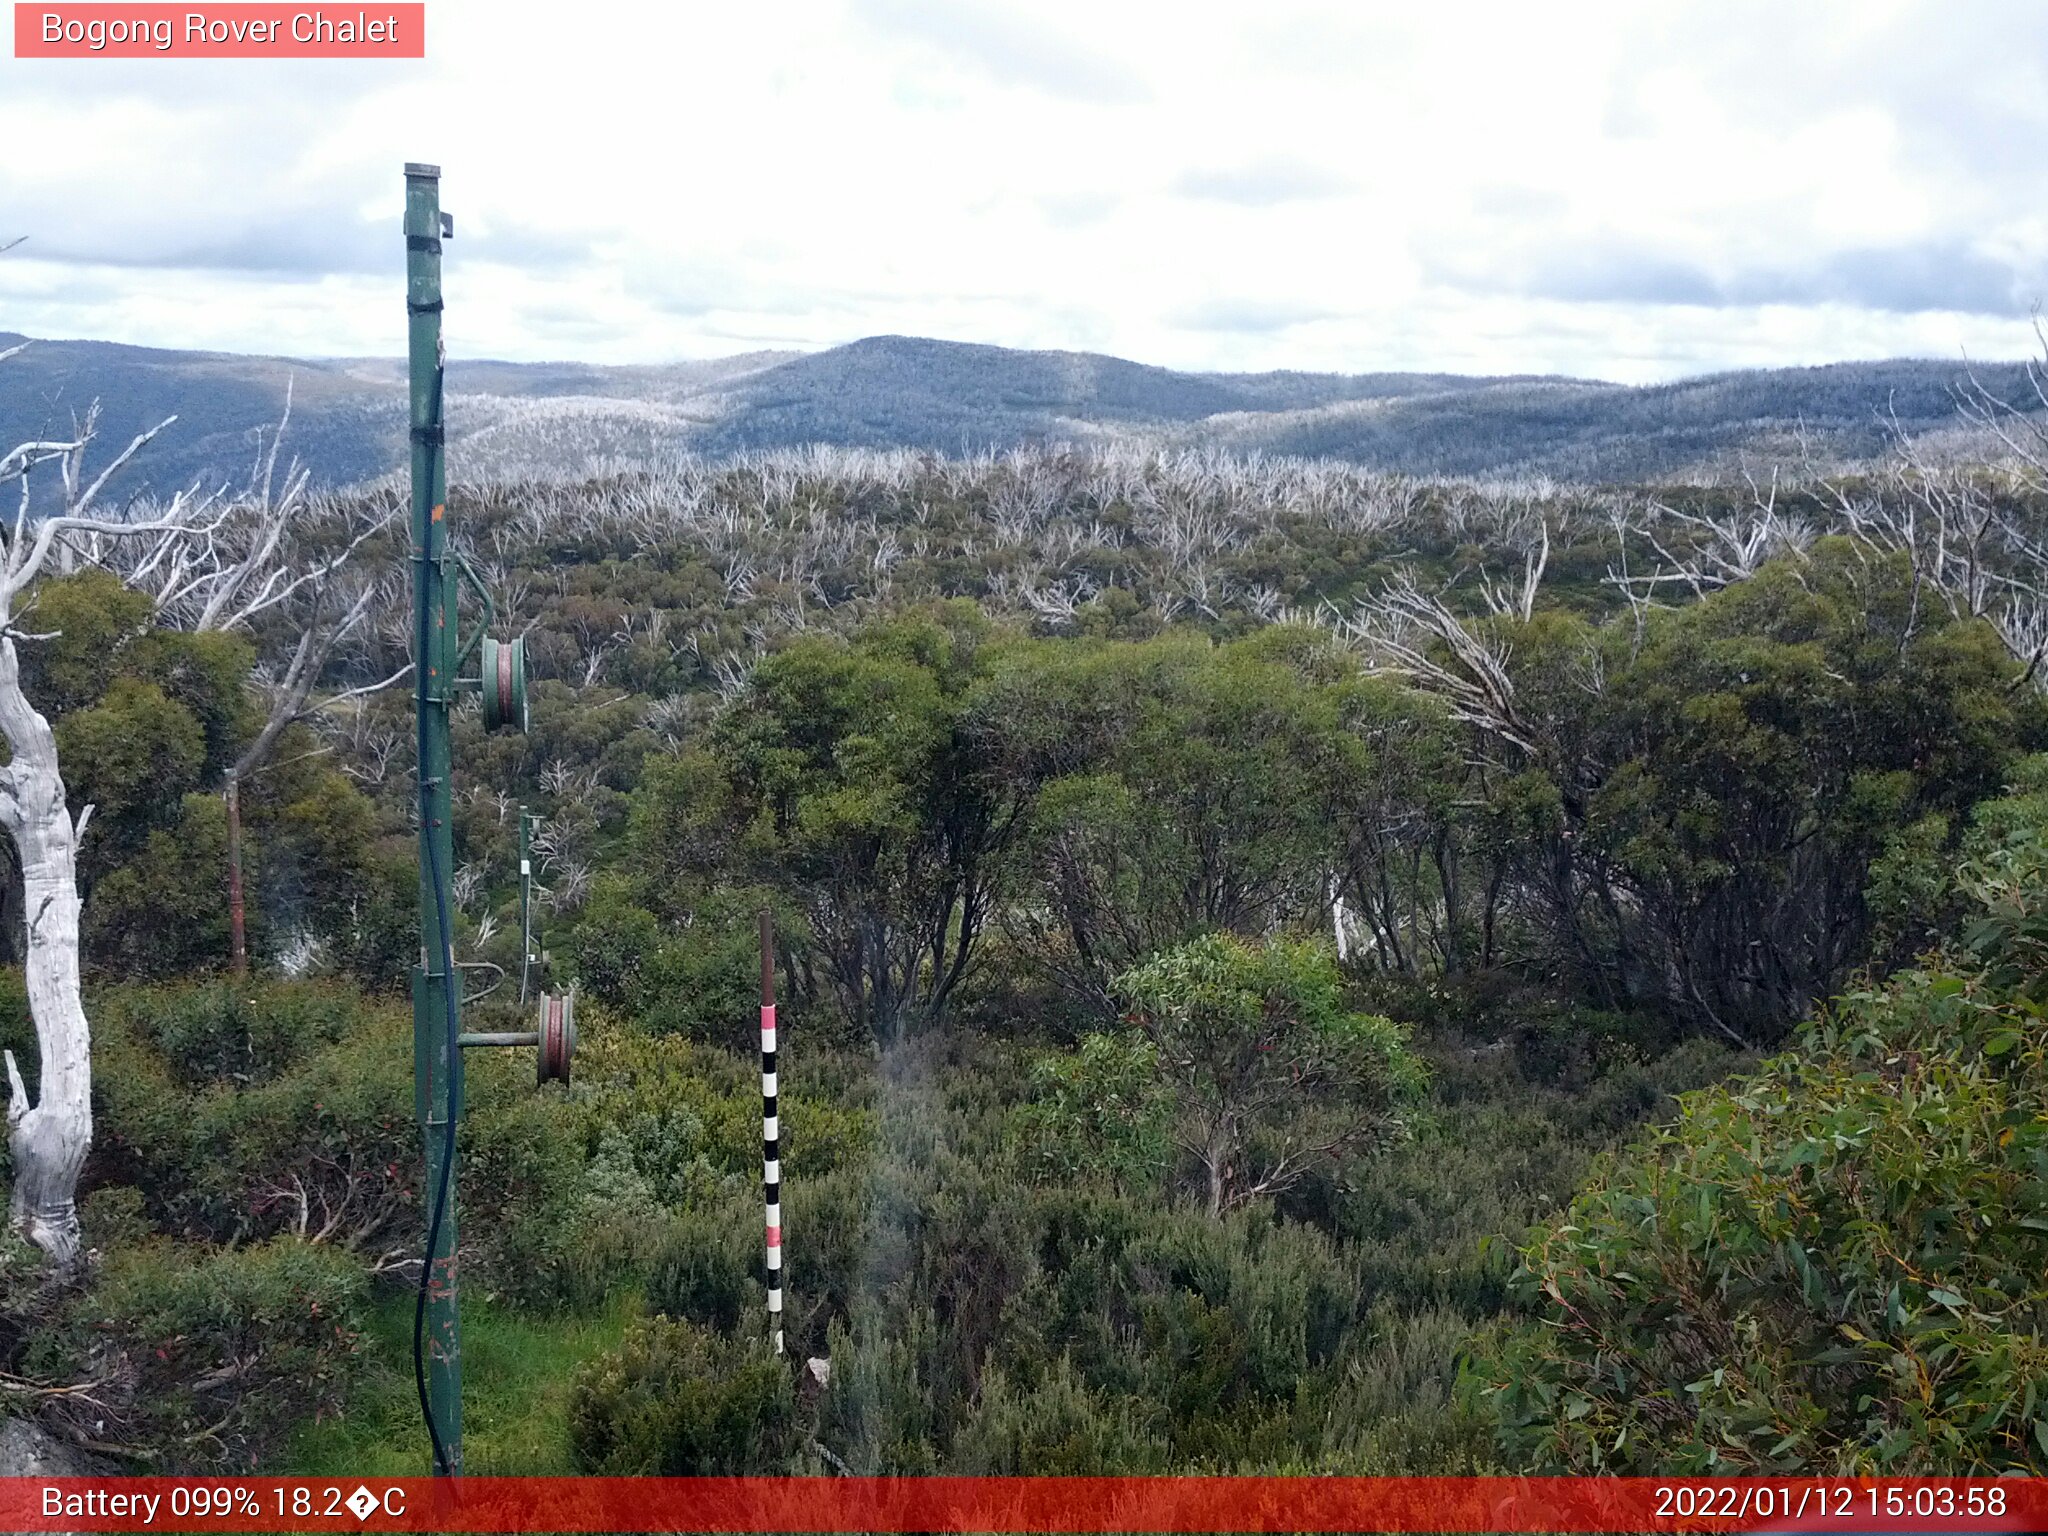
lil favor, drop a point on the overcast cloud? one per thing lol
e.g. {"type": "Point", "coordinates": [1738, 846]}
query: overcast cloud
{"type": "Point", "coordinates": [1627, 191]}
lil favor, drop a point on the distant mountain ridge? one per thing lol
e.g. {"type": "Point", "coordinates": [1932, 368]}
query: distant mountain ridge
{"type": "Point", "coordinates": [569, 419]}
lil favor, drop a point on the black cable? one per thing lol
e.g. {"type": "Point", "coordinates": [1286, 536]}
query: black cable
{"type": "Point", "coordinates": [419, 1311]}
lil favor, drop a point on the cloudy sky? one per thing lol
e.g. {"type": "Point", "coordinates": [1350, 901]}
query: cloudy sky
{"type": "Point", "coordinates": [1623, 191]}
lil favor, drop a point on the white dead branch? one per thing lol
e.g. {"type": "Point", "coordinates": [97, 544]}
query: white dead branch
{"type": "Point", "coordinates": [1413, 634]}
{"type": "Point", "coordinates": [50, 1135]}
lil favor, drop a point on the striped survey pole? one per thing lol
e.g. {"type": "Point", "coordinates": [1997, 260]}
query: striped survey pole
{"type": "Point", "coordinates": [771, 1130]}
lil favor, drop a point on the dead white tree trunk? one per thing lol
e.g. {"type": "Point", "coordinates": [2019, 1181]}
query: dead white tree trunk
{"type": "Point", "coordinates": [50, 1137]}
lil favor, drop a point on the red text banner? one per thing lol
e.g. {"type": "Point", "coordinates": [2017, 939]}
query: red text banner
{"type": "Point", "coordinates": [235, 31]}
{"type": "Point", "coordinates": [1076, 1504]}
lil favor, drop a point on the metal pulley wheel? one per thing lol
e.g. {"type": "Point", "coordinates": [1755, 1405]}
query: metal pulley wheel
{"type": "Point", "coordinates": [557, 1035]}
{"type": "Point", "coordinates": [504, 683]}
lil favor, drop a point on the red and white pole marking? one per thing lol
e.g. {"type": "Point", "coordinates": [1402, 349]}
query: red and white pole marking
{"type": "Point", "coordinates": [771, 1131]}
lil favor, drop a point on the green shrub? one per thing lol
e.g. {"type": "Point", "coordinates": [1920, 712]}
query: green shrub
{"type": "Point", "coordinates": [1099, 1111]}
{"type": "Point", "coordinates": [18, 1033]}
{"type": "Point", "coordinates": [880, 1416]}
{"type": "Point", "coordinates": [164, 912]}
{"type": "Point", "coordinates": [590, 1192]}
{"type": "Point", "coordinates": [826, 1219]}
{"type": "Point", "coordinates": [706, 1270]}
{"type": "Point", "coordinates": [664, 1102]}
{"type": "Point", "coordinates": [246, 1031]}
{"type": "Point", "coordinates": [544, 1241]}
{"type": "Point", "coordinates": [1572, 1047]}
{"type": "Point", "coordinates": [612, 950]}
{"type": "Point", "coordinates": [30, 1296]}
{"type": "Point", "coordinates": [1059, 1428]}
{"type": "Point", "coordinates": [1395, 1409]}
{"type": "Point", "coordinates": [1223, 1324]}
{"type": "Point", "coordinates": [678, 1400]}
{"type": "Point", "coordinates": [221, 1352]}
{"type": "Point", "coordinates": [312, 1135]}
{"type": "Point", "coordinates": [1834, 1265]}
{"type": "Point", "coordinates": [819, 1136]}
{"type": "Point", "coordinates": [378, 943]}
{"type": "Point", "coordinates": [114, 1217]}
{"type": "Point", "coordinates": [703, 981]}
{"type": "Point", "coordinates": [1264, 1070]}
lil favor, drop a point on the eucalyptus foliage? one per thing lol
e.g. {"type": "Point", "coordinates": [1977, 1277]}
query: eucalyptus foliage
{"type": "Point", "coordinates": [1836, 1264]}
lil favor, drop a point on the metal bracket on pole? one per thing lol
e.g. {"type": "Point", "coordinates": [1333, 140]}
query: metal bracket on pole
{"type": "Point", "coordinates": [554, 1042]}
{"type": "Point", "coordinates": [476, 584]}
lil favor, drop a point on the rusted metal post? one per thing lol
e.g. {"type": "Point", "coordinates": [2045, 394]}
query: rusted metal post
{"type": "Point", "coordinates": [238, 922]}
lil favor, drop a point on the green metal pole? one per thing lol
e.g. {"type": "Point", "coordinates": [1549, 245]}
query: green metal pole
{"type": "Point", "coordinates": [437, 1062]}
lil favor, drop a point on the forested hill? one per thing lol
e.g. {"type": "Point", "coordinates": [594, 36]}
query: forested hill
{"type": "Point", "coordinates": [556, 420]}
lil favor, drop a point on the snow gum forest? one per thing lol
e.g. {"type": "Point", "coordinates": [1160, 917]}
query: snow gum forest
{"type": "Point", "coordinates": [1283, 968]}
